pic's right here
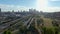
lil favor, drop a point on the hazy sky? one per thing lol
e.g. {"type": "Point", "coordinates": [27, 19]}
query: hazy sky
{"type": "Point", "coordinates": [45, 5]}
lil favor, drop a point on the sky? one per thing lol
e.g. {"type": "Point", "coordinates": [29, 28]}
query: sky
{"type": "Point", "coordinates": [44, 5]}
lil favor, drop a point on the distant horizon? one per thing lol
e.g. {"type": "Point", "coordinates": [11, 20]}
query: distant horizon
{"type": "Point", "coordinates": [44, 5]}
{"type": "Point", "coordinates": [26, 10]}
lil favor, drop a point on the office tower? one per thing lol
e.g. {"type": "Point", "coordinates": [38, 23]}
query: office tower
{"type": "Point", "coordinates": [0, 11]}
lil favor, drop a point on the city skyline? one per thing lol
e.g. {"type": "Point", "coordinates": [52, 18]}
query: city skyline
{"type": "Point", "coordinates": [44, 5]}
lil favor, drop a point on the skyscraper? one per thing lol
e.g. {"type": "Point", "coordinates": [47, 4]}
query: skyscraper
{"type": "Point", "coordinates": [0, 11]}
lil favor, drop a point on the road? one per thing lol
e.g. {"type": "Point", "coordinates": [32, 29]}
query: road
{"type": "Point", "coordinates": [25, 24]}
{"type": "Point", "coordinates": [6, 26]}
{"type": "Point", "coordinates": [14, 25]}
{"type": "Point", "coordinates": [39, 31]}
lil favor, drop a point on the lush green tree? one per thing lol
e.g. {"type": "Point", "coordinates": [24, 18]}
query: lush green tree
{"type": "Point", "coordinates": [22, 30]}
{"type": "Point", "coordinates": [56, 30]}
{"type": "Point", "coordinates": [46, 30]}
{"type": "Point", "coordinates": [43, 30]}
{"type": "Point", "coordinates": [7, 32]}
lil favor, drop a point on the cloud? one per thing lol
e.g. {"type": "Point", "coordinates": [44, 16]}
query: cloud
{"type": "Point", "coordinates": [51, 9]}
{"type": "Point", "coordinates": [43, 5]}
{"type": "Point", "coordinates": [5, 7]}
{"type": "Point", "coordinates": [54, 0]}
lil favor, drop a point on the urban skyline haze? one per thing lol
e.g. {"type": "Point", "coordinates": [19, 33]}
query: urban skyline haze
{"type": "Point", "coordinates": [44, 5]}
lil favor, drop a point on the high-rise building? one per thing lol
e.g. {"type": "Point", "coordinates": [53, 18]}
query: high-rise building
{"type": "Point", "coordinates": [0, 10]}
{"type": "Point", "coordinates": [13, 11]}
